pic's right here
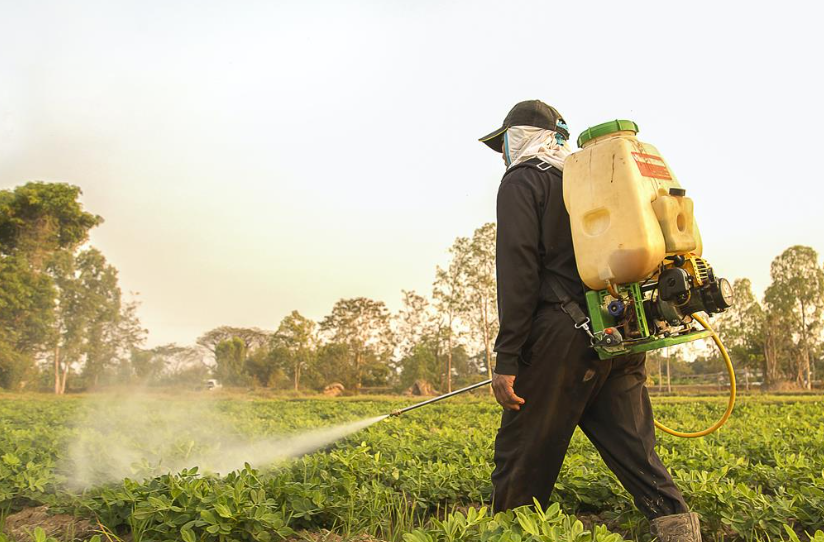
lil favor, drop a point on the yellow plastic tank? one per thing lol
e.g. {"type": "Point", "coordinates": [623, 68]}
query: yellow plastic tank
{"type": "Point", "coordinates": [626, 207]}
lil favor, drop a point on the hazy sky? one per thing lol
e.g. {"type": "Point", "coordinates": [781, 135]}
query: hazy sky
{"type": "Point", "coordinates": [251, 158]}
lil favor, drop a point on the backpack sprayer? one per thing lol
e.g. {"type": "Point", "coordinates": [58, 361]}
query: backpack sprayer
{"type": "Point", "coordinates": [638, 251]}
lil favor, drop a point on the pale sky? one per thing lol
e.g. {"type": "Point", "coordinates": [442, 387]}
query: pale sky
{"type": "Point", "coordinates": [252, 158]}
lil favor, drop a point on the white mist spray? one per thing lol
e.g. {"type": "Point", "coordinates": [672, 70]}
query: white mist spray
{"type": "Point", "coordinates": [141, 436]}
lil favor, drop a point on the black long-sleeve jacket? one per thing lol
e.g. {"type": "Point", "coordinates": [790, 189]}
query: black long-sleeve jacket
{"type": "Point", "coordinates": [534, 240]}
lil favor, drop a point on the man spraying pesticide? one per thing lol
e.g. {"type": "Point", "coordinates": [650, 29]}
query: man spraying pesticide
{"type": "Point", "coordinates": [598, 260]}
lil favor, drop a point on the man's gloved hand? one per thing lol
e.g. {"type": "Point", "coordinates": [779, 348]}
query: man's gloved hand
{"type": "Point", "coordinates": [502, 385]}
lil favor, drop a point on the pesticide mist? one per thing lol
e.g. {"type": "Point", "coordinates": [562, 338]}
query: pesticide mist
{"type": "Point", "coordinates": [140, 436]}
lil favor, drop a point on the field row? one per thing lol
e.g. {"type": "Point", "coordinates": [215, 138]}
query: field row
{"type": "Point", "coordinates": [421, 477]}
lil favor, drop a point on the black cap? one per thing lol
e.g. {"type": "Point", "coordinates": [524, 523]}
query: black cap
{"type": "Point", "coordinates": [529, 113]}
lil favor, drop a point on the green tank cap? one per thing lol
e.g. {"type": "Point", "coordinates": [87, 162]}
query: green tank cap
{"type": "Point", "coordinates": [606, 128]}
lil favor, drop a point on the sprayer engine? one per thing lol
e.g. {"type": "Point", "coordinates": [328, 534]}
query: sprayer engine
{"type": "Point", "coordinates": [682, 292]}
{"type": "Point", "coordinates": [657, 313]}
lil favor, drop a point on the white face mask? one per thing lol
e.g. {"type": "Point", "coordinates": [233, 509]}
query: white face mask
{"type": "Point", "coordinates": [524, 142]}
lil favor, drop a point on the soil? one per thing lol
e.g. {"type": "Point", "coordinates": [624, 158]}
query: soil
{"type": "Point", "coordinates": [20, 526]}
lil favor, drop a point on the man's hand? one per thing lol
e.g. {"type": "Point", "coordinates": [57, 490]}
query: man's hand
{"type": "Point", "coordinates": [502, 385]}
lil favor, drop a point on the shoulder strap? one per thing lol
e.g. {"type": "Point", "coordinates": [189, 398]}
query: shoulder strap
{"type": "Point", "coordinates": [568, 305]}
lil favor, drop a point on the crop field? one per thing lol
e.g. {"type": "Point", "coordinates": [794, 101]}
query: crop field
{"type": "Point", "coordinates": [175, 468]}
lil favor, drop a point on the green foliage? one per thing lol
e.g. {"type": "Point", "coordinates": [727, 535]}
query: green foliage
{"type": "Point", "coordinates": [742, 327]}
{"type": "Point", "coordinates": [426, 345]}
{"type": "Point", "coordinates": [334, 364]}
{"type": "Point", "coordinates": [524, 524]}
{"type": "Point", "coordinates": [421, 363]}
{"type": "Point", "coordinates": [39, 218]}
{"type": "Point", "coordinates": [53, 298]}
{"type": "Point", "coordinates": [465, 296]}
{"type": "Point", "coordinates": [448, 294]}
{"type": "Point", "coordinates": [93, 326]}
{"type": "Point", "coordinates": [363, 326]}
{"type": "Point", "coordinates": [397, 479]}
{"type": "Point", "coordinates": [295, 344]}
{"type": "Point", "coordinates": [481, 300]}
{"type": "Point", "coordinates": [39, 222]}
{"type": "Point", "coordinates": [26, 316]}
{"type": "Point", "coordinates": [97, 306]}
{"type": "Point", "coordinates": [252, 338]}
{"type": "Point", "coordinates": [168, 364]}
{"type": "Point", "coordinates": [267, 367]}
{"type": "Point", "coordinates": [795, 301]}
{"type": "Point", "coordinates": [230, 356]}
{"type": "Point", "coordinates": [188, 507]}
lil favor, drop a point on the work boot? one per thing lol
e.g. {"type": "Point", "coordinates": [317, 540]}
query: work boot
{"type": "Point", "coordinates": [676, 528]}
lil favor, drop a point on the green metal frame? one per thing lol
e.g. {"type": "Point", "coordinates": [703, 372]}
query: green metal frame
{"type": "Point", "coordinates": [600, 319]}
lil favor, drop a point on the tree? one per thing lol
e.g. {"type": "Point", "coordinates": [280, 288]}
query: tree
{"type": "Point", "coordinates": [414, 322]}
{"type": "Point", "coordinates": [465, 293]}
{"type": "Point", "coordinates": [467, 369]}
{"type": "Point", "coordinates": [266, 366]}
{"type": "Point", "coordinates": [92, 325]}
{"type": "Point", "coordinates": [40, 218]}
{"type": "Point", "coordinates": [742, 328]}
{"type": "Point", "coordinates": [418, 340]}
{"type": "Point", "coordinates": [334, 364]}
{"type": "Point", "coordinates": [363, 326]}
{"type": "Point", "coordinates": [420, 363]}
{"type": "Point", "coordinates": [296, 335]}
{"type": "Point", "coordinates": [130, 336]}
{"type": "Point", "coordinates": [147, 365]}
{"type": "Point", "coordinates": [450, 299]}
{"type": "Point", "coordinates": [168, 363]}
{"type": "Point", "coordinates": [481, 301]}
{"type": "Point", "coordinates": [291, 351]}
{"type": "Point", "coordinates": [230, 357]}
{"type": "Point", "coordinates": [252, 338]}
{"type": "Point", "coordinates": [70, 318]}
{"type": "Point", "coordinates": [178, 360]}
{"type": "Point", "coordinates": [100, 297]}
{"type": "Point", "coordinates": [38, 221]}
{"type": "Point", "coordinates": [26, 317]}
{"type": "Point", "coordinates": [795, 300]}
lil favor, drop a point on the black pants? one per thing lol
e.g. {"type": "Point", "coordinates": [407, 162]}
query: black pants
{"type": "Point", "coordinates": [565, 385]}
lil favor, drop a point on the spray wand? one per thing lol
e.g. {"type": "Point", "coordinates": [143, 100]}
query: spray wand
{"type": "Point", "coordinates": [441, 397]}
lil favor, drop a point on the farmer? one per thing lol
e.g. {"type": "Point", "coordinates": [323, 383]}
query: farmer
{"type": "Point", "coordinates": [548, 378]}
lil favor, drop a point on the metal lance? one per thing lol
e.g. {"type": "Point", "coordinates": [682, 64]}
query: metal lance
{"type": "Point", "coordinates": [441, 397]}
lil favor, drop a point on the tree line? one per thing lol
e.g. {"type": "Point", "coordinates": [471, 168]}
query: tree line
{"type": "Point", "coordinates": [64, 322]}
{"type": "Point", "coordinates": [780, 336]}
{"type": "Point", "coordinates": [443, 339]}
{"type": "Point", "coordinates": [62, 314]}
